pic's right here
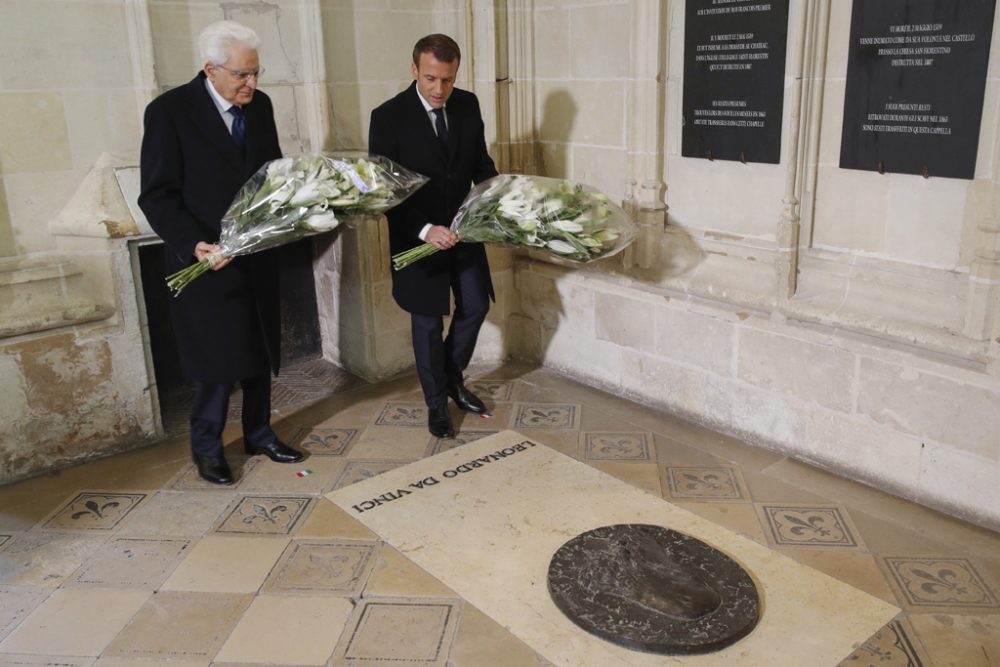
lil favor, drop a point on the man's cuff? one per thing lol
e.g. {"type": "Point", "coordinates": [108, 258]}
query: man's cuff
{"type": "Point", "coordinates": [423, 232]}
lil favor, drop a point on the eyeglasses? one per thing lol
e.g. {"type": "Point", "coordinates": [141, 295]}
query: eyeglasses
{"type": "Point", "coordinates": [243, 74]}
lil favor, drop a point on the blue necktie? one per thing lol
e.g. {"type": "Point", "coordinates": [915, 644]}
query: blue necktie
{"type": "Point", "coordinates": [239, 126]}
{"type": "Point", "coordinates": [442, 128]}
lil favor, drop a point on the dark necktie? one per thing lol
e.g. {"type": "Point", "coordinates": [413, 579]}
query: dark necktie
{"type": "Point", "coordinates": [442, 129]}
{"type": "Point", "coordinates": [239, 126]}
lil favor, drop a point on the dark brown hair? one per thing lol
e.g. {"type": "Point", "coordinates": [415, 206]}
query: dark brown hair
{"type": "Point", "coordinates": [442, 47]}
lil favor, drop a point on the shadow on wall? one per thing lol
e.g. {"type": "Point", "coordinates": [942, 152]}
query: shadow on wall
{"type": "Point", "coordinates": [675, 255]}
{"type": "Point", "coordinates": [548, 149]}
{"type": "Point", "coordinates": [8, 248]}
{"type": "Point", "coordinates": [678, 258]}
{"type": "Point", "coordinates": [554, 131]}
{"type": "Point", "coordinates": [347, 118]}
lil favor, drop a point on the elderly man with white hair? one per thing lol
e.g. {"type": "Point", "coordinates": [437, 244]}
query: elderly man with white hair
{"type": "Point", "coordinates": [201, 142]}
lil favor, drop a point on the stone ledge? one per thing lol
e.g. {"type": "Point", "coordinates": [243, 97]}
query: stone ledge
{"type": "Point", "coordinates": [917, 337]}
{"type": "Point", "coordinates": [18, 270]}
{"type": "Point", "coordinates": [44, 293]}
{"type": "Point", "coordinates": [72, 315]}
{"type": "Point", "coordinates": [877, 299]}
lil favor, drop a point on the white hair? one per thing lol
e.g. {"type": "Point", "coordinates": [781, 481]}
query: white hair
{"type": "Point", "coordinates": [217, 40]}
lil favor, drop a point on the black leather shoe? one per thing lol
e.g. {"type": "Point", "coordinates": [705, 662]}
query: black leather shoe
{"type": "Point", "coordinates": [213, 469]}
{"type": "Point", "coordinates": [465, 399]}
{"type": "Point", "coordinates": [277, 451]}
{"type": "Point", "coordinates": [439, 422]}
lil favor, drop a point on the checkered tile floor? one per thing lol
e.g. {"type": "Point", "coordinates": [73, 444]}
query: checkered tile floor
{"type": "Point", "coordinates": [132, 559]}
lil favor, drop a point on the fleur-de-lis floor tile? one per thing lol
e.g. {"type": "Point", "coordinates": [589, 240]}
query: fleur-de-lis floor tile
{"type": "Point", "coordinates": [386, 632]}
{"type": "Point", "coordinates": [809, 526]}
{"type": "Point", "coordinates": [328, 441]}
{"type": "Point", "coordinates": [131, 562]}
{"type": "Point", "coordinates": [317, 567]}
{"type": "Point", "coordinates": [359, 470]}
{"type": "Point", "coordinates": [274, 515]}
{"type": "Point", "coordinates": [92, 510]}
{"type": "Point", "coordinates": [892, 646]}
{"type": "Point", "coordinates": [403, 413]}
{"type": "Point", "coordinates": [438, 445]}
{"type": "Point", "coordinates": [940, 582]}
{"type": "Point", "coordinates": [616, 446]}
{"type": "Point", "coordinates": [546, 415]}
{"type": "Point", "coordinates": [712, 484]}
{"type": "Point", "coordinates": [497, 390]}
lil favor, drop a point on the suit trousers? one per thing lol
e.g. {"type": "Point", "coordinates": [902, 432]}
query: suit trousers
{"type": "Point", "coordinates": [211, 405]}
{"type": "Point", "coordinates": [440, 363]}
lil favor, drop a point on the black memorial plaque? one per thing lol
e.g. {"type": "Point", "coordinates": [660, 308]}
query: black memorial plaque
{"type": "Point", "coordinates": [734, 79]}
{"type": "Point", "coordinates": [916, 78]}
{"type": "Point", "coordinates": [653, 589]}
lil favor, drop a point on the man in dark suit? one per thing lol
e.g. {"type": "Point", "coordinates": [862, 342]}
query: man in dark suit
{"type": "Point", "coordinates": [437, 130]}
{"type": "Point", "coordinates": [202, 141]}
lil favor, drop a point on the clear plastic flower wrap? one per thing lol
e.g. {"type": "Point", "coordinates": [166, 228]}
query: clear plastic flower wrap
{"type": "Point", "coordinates": [294, 197]}
{"type": "Point", "coordinates": [570, 221]}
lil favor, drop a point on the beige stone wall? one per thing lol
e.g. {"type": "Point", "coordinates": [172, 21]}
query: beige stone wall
{"type": "Point", "coordinates": [843, 317]}
{"type": "Point", "coordinates": [71, 357]}
{"type": "Point", "coordinates": [66, 96]}
{"type": "Point", "coordinates": [581, 69]}
{"type": "Point", "coordinates": [75, 391]}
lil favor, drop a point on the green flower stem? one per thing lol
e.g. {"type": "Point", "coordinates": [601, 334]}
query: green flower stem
{"type": "Point", "coordinates": [178, 281]}
{"type": "Point", "coordinates": [403, 259]}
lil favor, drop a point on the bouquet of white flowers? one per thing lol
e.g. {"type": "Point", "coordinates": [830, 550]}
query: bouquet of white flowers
{"type": "Point", "coordinates": [294, 197]}
{"type": "Point", "coordinates": [571, 221]}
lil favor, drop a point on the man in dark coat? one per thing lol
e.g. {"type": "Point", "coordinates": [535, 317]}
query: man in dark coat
{"type": "Point", "coordinates": [202, 141]}
{"type": "Point", "coordinates": [437, 130]}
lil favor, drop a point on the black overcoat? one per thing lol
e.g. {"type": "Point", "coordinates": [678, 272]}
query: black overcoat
{"type": "Point", "coordinates": [401, 130]}
{"type": "Point", "coordinates": [227, 322]}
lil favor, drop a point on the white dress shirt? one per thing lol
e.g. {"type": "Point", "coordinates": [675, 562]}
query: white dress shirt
{"type": "Point", "coordinates": [433, 119]}
{"type": "Point", "coordinates": [222, 104]}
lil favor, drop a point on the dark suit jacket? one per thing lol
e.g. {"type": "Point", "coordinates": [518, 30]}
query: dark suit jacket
{"type": "Point", "coordinates": [401, 130]}
{"type": "Point", "coordinates": [227, 322]}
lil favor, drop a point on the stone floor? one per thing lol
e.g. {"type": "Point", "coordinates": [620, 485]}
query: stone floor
{"type": "Point", "coordinates": [133, 561]}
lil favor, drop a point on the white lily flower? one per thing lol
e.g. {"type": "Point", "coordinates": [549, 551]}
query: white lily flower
{"type": "Point", "coordinates": [589, 241]}
{"type": "Point", "coordinates": [552, 205]}
{"type": "Point", "coordinates": [278, 168]}
{"type": "Point", "coordinates": [329, 190]}
{"type": "Point", "coordinates": [528, 224]}
{"type": "Point", "coordinates": [515, 208]}
{"type": "Point", "coordinates": [568, 226]}
{"type": "Point", "coordinates": [321, 222]}
{"type": "Point", "coordinates": [307, 195]}
{"type": "Point", "coordinates": [561, 247]}
{"type": "Point", "coordinates": [280, 197]}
